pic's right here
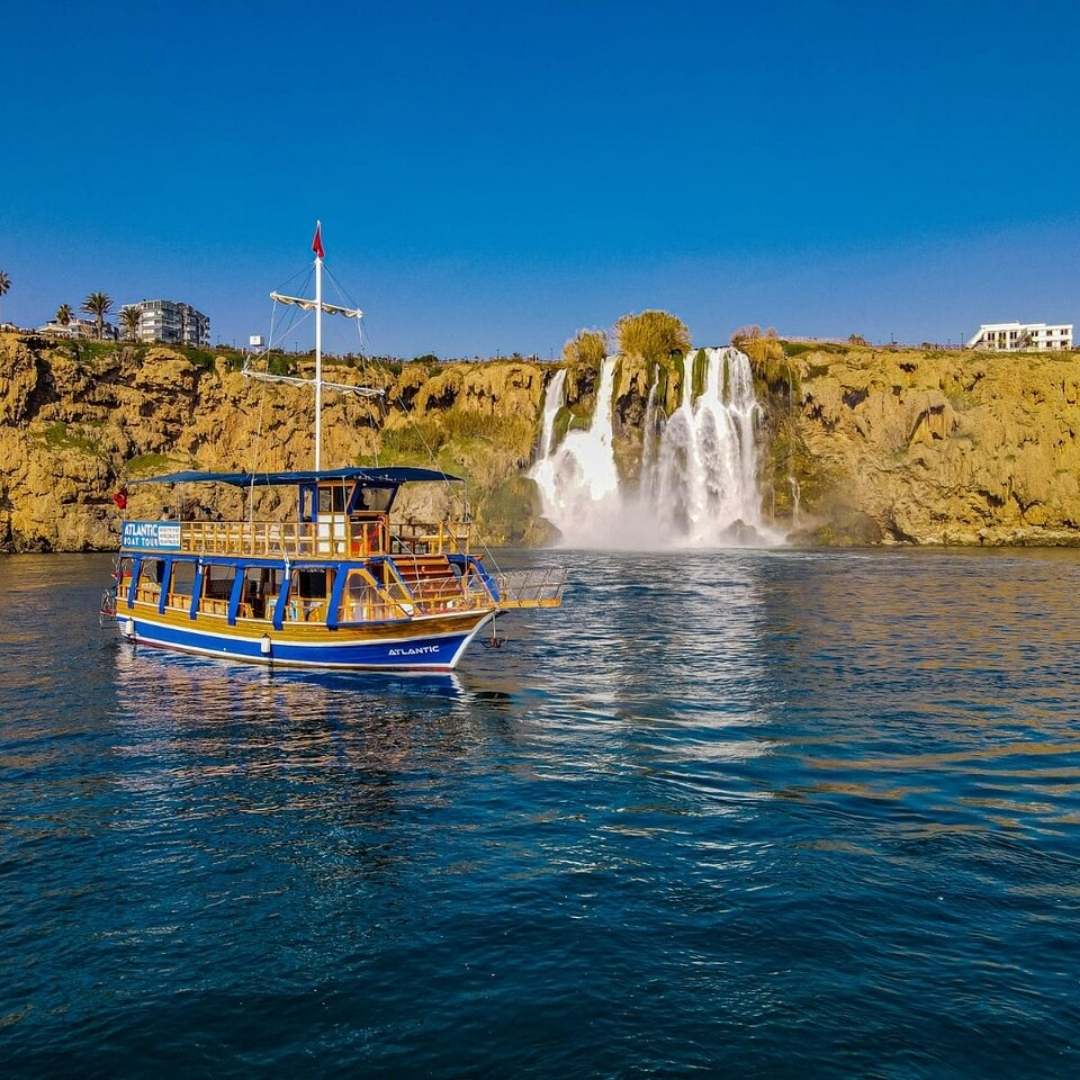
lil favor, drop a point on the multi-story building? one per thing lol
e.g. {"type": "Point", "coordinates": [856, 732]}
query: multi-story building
{"type": "Point", "coordinates": [1014, 336]}
{"type": "Point", "coordinates": [79, 328]}
{"type": "Point", "coordinates": [171, 321]}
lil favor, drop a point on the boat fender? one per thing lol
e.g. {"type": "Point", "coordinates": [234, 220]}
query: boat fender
{"type": "Point", "coordinates": [264, 645]}
{"type": "Point", "coordinates": [129, 629]}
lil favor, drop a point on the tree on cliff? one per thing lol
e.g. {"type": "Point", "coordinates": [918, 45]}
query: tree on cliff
{"type": "Point", "coordinates": [746, 333]}
{"type": "Point", "coordinates": [98, 304]}
{"type": "Point", "coordinates": [652, 335]}
{"type": "Point", "coordinates": [5, 283]}
{"type": "Point", "coordinates": [586, 347]}
{"type": "Point", "coordinates": [64, 314]}
{"type": "Point", "coordinates": [130, 317]}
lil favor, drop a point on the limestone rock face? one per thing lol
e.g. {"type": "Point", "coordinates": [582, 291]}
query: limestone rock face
{"type": "Point", "coordinates": [905, 446]}
{"type": "Point", "coordinates": [78, 422]}
{"type": "Point", "coordinates": [859, 445]}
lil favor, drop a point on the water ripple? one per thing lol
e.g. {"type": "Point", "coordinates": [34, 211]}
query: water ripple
{"type": "Point", "coordinates": [768, 812]}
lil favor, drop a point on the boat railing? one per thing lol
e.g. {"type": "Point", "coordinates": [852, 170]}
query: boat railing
{"type": "Point", "coordinates": [366, 600]}
{"type": "Point", "coordinates": [334, 537]}
{"type": "Point", "coordinates": [537, 588]}
{"type": "Point", "coordinates": [427, 538]}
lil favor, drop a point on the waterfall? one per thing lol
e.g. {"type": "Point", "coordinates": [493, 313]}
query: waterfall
{"type": "Point", "coordinates": [796, 494]}
{"type": "Point", "coordinates": [578, 479]}
{"type": "Point", "coordinates": [648, 447]}
{"type": "Point", "coordinates": [552, 404]}
{"type": "Point", "coordinates": [699, 472]}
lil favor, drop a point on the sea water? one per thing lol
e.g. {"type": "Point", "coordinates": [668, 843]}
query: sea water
{"type": "Point", "coordinates": [743, 812]}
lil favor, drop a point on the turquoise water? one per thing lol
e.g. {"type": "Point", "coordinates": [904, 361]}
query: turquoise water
{"type": "Point", "coordinates": [765, 813]}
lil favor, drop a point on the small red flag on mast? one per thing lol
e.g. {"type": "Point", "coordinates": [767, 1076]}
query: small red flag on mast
{"type": "Point", "coordinates": [316, 244]}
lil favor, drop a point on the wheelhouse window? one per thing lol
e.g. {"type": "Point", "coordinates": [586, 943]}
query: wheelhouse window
{"type": "Point", "coordinates": [332, 499]}
{"type": "Point", "coordinates": [375, 500]}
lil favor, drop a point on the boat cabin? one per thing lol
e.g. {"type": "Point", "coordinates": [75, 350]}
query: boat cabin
{"type": "Point", "coordinates": [340, 561]}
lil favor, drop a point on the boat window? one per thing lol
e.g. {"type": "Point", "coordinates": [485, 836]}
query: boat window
{"type": "Point", "coordinates": [363, 601]}
{"type": "Point", "coordinates": [153, 570]}
{"type": "Point", "coordinates": [123, 573]}
{"type": "Point", "coordinates": [261, 584]}
{"type": "Point", "coordinates": [332, 500]}
{"type": "Point", "coordinates": [375, 500]}
{"type": "Point", "coordinates": [307, 596]}
{"type": "Point", "coordinates": [181, 583]}
{"type": "Point", "coordinates": [149, 590]}
{"type": "Point", "coordinates": [217, 581]}
{"type": "Point", "coordinates": [217, 588]}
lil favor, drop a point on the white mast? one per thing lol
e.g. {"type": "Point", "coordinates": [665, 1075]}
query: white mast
{"type": "Point", "coordinates": [320, 307]}
{"type": "Point", "coordinates": [318, 344]}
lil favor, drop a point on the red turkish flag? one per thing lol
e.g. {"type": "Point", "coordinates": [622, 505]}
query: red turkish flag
{"type": "Point", "coordinates": [316, 244]}
{"type": "Point", "coordinates": [120, 498]}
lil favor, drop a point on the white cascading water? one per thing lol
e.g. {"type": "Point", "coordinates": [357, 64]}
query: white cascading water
{"type": "Point", "coordinates": [578, 479]}
{"type": "Point", "coordinates": [699, 472]}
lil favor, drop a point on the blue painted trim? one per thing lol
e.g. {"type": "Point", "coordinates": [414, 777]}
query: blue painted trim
{"type": "Point", "coordinates": [418, 652]}
{"type": "Point", "coordinates": [166, 577]}
{"type": "Point", "coordinates": [341, 575]}
{"type": "Point", "coordinates": [133, 588]}
{"type": "Point", "coordinates": [196, 591]}
{"type": "Point", "coordinates": [313, 488]}
{"type": "Point", "coordinates": [235, 595]}
{"type": "Point", "coordinates": [282, 600]}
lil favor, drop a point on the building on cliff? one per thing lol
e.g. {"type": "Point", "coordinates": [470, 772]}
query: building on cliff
{"type": "Point", "coordinates": [1014, 336]}
{"type": "Point", "coordinates": [78, 329]}
{"type": "Point", "coordinates": [172, 322]}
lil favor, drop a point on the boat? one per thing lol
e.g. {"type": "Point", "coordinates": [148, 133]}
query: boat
{"type": "Point", "coordinates": [340, 583]}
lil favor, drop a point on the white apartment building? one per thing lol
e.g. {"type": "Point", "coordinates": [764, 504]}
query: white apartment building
{"type": "Point", "coordinates": [171, 321]}
{"type": "Point", "coordinates": [1014, 336]}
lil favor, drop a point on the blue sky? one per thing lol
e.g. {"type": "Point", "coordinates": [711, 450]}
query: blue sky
{"type": "Point", "coordinates": [495, 176]}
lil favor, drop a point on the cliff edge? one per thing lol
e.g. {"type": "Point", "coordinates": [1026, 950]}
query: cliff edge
{"type": "Point", "coordinates": [859, 445]}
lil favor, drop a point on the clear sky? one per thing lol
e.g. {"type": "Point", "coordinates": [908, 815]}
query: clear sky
{"type": "Point", "coordinates": [493, 176]}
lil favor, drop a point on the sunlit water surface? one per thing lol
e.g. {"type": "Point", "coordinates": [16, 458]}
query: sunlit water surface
{"type": "Point", "coordinates": [765, 813]}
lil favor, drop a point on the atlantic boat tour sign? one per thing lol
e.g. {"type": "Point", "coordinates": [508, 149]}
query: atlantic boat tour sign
{"type": "Point", "coordinates": [151, 535]}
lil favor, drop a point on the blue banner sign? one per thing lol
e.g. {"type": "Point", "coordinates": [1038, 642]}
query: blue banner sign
{"type": "Point", "coordinates": [151, 535]}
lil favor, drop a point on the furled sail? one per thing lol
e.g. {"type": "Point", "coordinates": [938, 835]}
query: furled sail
{"type": "Point", "coordinates": [311, 305]}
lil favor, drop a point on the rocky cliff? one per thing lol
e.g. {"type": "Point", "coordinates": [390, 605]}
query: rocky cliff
{"type": "Point", "coordinates": [862, 445]}
{"type": "Point", "coordinates": [924, 447]}
{"type": "Point", "coordinates": [78, 421]}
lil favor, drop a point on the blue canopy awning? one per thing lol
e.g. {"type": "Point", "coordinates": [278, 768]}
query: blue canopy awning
{"type": "Point", "coordinates": [367, 477]}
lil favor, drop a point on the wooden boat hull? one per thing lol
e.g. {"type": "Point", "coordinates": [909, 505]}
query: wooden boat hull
{"type": "Point", "coordinates": [420, 645]}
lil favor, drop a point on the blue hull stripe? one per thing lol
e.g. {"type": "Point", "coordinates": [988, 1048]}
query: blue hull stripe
{"type": "Point", "coordinates": [442, 651]}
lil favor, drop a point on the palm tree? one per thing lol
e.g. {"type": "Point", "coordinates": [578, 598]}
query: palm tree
{"type": "Point", "coordinates": [98, 305]}
{"type": "Point", "coordinates": [5, 283]}
{"type": "Point", "coordinates": [129, 320]}
{"type": "Point", "coordinates": [64, 314]}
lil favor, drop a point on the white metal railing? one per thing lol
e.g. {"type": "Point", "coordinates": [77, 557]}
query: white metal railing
{"type": "Point", "coordinates": [537, 588]}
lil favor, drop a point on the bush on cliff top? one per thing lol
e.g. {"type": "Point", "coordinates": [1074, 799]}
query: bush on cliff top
{"type": "Point", "coordinates": [586, 348]}
{"type": "Point", "coordinates": [652, 335]}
